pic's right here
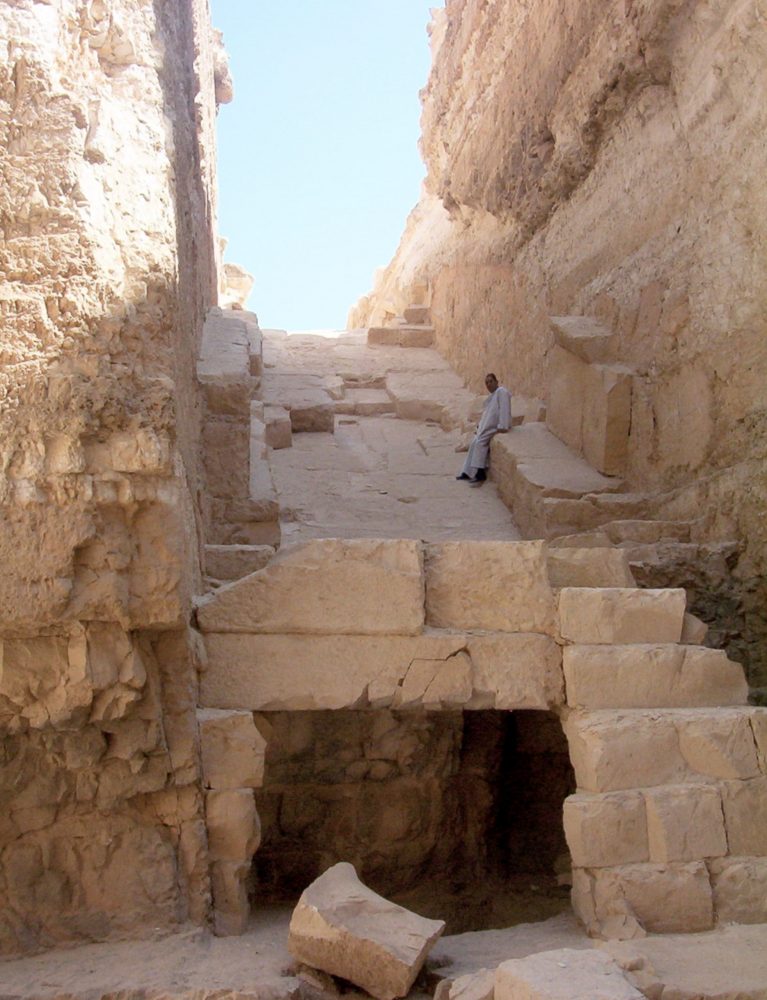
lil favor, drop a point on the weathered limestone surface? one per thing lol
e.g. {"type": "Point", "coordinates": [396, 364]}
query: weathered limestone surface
{"type": "Point", "coordinates": [619, 615]}
{"type": "Point", "coordinates": [108, 267]}
{"type": "Point", "coordinates": [649, 676]}
{"type": "Point", "coordinates": [607, 113]}
{"type": "Point", "coordinates": [326, 587]}
{"type": "Point", "coordinates": [565, 974]}
{"type": "Point", "coordinates": [435, 670]}
{"type": "Point", "coordinates": [342, 927]}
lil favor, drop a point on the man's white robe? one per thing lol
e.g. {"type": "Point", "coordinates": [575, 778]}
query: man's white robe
{"type": "Point", "coordinates": [496, 416]}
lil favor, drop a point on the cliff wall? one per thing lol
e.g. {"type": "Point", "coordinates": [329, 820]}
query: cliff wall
{"type": "Point", "coordinates": [108, 264]}
{"type": "Point", "coordinates": [604, 159]}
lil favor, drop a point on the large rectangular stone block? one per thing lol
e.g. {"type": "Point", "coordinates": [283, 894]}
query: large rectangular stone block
{"type": "Point", "coordinates": [606, 830]}
{"type": "Point", "coordinates": [234, 830]}
{"type": "Point", "coordinates": [516, 671]}
{"type": "Point", "coordinates": [327, 586]}
{"type": "Point", "coordinates": [232, 748]}
{"type": "Point", "coordinates": [293, 672]}
{"type": "Point", "coordinates": [745, 816]}
{"type": "Point", "coordinates": [500, 586]}
{"type": "Point", "coordinates": [651, 675]}
{"type": "Point", "coordinates": [589, 567]}
{"type": "Point", "coordinates": [740, 890]}
{"type": "Point", "coordinates": [621, 615]}
{"type": "Point", "coordinates": [589, 409]}
{"type": "Point", "coordinates": [672, 898]}
{"type": "Point", "coordinates": [639, 748]}
{"type": "Point", "coordinates": [685, 823]}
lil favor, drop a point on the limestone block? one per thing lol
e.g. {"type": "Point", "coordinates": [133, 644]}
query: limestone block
{"type": "Point", "coordinates": [665, 899]}
{"type": "Point", "coordinates": [223, 368]}
{"type": "Point", "coordinates": [621, 615]}
{"type": "Point", "coordinates": [231, 908]}
{"type": "Point", "coordinates": [636, 748]}
{"type": "Point", "coordinates": [232, 748]}
{"type": "Point", "coordinates": [589, 409]}
{"type": "Point", "coordinates": [365, 402]}
{"type": "Point", "coordinates": [615, 750]}
{"type": "Point", "coordinates": [347, 930]}
{"type": "Point", "coordinates": [584, 337]}
{"type": "Point", "coordinates": [718, 743]}
{"type": "Point", "coordinates": [588, 567]}
{"type": "Point", "coordinates": [478, 985]}
{"type": "Point", "coordinates": [422, 395]}
{"type": "Point", "coordinates": [291, 672]}
{"type": "Point", "coordinates": [230, 562]}
{"type": "Point", "coordinates": [606, 830]}
{"type": "Point", "coordinates": [225, 442]}
{"type": "Point", "coordinates": [500, 586]}
{"type": "Point", "coordinates": [234, 830]}
{"type": "Point", "coordinates": [327, 586]}
{"type": "Point", "coordinates": [693, 630]}
{"type": "Point", "coordinates": [563, 974]}
{"type": "Point", "coordinates": [435, 684]}
{"type": "Point", "coordinates": [401, 335]}
{"type": "Point", "coordinates": [279, 433]}
{"type": "Point", "coordinates": [685, 823]}
{"type": "Point", "coordinates": [650, 676]}
{"type": "Point", "coordinates": [416, 315]}
{"type": "Point", "coordinates": [740, 890]}
{"type": "Point", "coordinates": [516, 671]}
{"type": "Point", "coordinates": [745, 816]}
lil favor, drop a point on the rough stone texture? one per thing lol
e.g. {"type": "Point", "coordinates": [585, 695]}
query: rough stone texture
{"type": "Point", "coordinates": [279, 432]}
{"type": "Point", "coordinates": [740, 889]}
{"type": "Point", "coordinates": [685, 823]}
{"type": "Point", "coordinates": [645, 748]}
{"type": "Point", "coordinates": [501, 586]}
{"type": "Point", "coordinates": [588, 567]}
{"type": "Point", "coordinates": [618, 615]}
{"type": "Point", "coordinates": [565, 974]}
{"type": "Point", "coordinates": [230, 562]}
{"type": "Point", "coordinates": [589, 408]}
{"type": "Point", "coordinates": [650, 676]}
{"type": "Point", "coordinates": [109, 265]}
{"type": "Point", "coordinates": [342, 927]}
{"type": "Point", "coordinates": [232, 749]}
{"type": "Point", "coordinates": [665, 899]}
{"type": "Point", "coordinates": [275, 672]}
{"type": "Point", "coordinates": [606, 830]}
{"type": "Point", "coordinates": [328, 586]}
{"type": "Point", "coordinates": [607, 112]}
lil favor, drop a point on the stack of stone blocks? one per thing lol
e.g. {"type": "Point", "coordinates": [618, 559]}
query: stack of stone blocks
{"type": "Point", "coordinates": [667, 827]}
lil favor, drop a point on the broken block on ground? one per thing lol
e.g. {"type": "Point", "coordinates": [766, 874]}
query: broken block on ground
{"type": "Point", "coordinates": [346, 929]}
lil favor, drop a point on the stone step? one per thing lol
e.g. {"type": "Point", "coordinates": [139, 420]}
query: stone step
{"type": "Point", "coordinates": [403, 335]}
{"type": "Point", "coordinates": [308, 398]}
{"type": "Point", "coordinates": [417, 315]}
{"type": "Point", "coordinates": [279, 429]}
{"type": "Point", "coordinates": [619, 615]}
{"type": "Point", "coordinates": [588, 567]}
{"type": "Point", "coordinates": [584, 337]}
{"type": "Point", "coordinates": [616, 749]}
{"type": "Point", "coordinates": [365, 402]}
{"type": "Point", "coordinates": [531, 466]}
{"type": "Point", "coordinates": [423, 395]}
{"type": "Point", "coordinates": [231, 562]}
{"type": "Point", "coordinates": [662, 675]}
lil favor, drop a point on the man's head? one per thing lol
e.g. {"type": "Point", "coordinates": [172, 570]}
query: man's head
{"type": "Point", "coordinates": [491, 382]}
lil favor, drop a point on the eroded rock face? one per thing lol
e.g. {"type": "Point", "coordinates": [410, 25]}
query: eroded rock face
{"type": "Point", "coordinates": [108, 262]}
{"type": "Point", "coordinates": [570, 174]}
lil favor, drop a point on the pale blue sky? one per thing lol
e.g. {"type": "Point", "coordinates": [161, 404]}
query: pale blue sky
{"type": "Point", "coordinates": [318, 164]}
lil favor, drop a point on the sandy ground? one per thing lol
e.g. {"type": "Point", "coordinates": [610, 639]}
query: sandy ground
{"type": "Point", "coordinates": [729, 964]}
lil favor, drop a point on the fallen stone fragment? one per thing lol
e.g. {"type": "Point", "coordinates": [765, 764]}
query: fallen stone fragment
{"type": "Point", "coordinates": [565, 974]}
{"type": "Point", "coordinates": [342, 927]}
{"type": "Point", "coordinates": [473, 986]}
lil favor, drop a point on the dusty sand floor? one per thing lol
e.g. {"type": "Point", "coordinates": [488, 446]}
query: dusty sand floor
{"type": "Point", "coordinates": [729, 964]}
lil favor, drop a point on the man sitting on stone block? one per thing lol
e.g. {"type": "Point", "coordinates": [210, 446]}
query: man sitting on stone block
{"type": "Point", "coordinates": [496, 418]}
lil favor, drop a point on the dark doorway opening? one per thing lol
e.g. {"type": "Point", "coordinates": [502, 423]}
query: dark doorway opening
{"type": "Point", "coordinates": [456, 815]}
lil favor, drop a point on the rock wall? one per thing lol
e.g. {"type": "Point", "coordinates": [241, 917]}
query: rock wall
{"type": "Point", "coordinates": [603, 159]}
{"type": "Point", "coordinates": [109, 263]}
